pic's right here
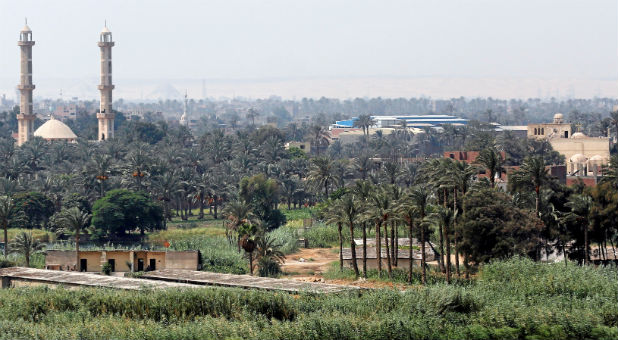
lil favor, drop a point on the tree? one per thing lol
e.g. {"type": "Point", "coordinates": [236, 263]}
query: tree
{"type": "Point", "coordinates": [364, 122]}
{"type": "Point", "coordinates": [491, 160]}
{"type": "Point", "coordinates": [73, 221]}
{"type": "Point", "coordinates": [122, 210]}
{"type": "Point", "coordinates": [8, 213]}
{"type": "Point", "coordinates": [580, 205]}
{"type": "Point", "coordinates": [319, 137]}
{"type": "Point", "coordinates": [531, 175]}
{"type": "Point", "coordinates": [350, 210]}
{"type": "Point", "coordinates": [36, 207]}
{"type": "Point", "coordinates": [262, 195]}
{"type": "Point", "coordinates": [26, 245]}
{"type": "Point", "coordinates": [321, 173]}
{"type": "Point", "coordinates": [419, 198]}
{"type": "Point", "coordinates": [495, 228]}
{"type": "Point", "coordinates": [237, 213]}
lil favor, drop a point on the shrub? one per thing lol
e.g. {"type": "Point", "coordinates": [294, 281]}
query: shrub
{"type": "Point", "coordinates": [268, 267]}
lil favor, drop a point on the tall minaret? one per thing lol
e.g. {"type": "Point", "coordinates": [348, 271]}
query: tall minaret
{"type": "Point", "coordinates": [184, 119]}
{"type": "Point", "coordinates": [26, 116]}
{"type": "Point", "coordinates": [106, 115]}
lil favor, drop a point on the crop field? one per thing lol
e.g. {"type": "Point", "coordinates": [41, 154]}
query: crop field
{"type": "Point", "coordinates": [514, 299]}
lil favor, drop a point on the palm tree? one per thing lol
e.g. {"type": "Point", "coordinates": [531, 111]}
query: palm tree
{"type": "Point", "coordinates": [420, 196]}
{"type": "Point", "coordinates": [26, 245]}
{"type": "Point", "coordinates": [8, 211]}
{"type": "Point", "coordinates": [332, 215]}
{"type": "Point", "coordinates": [532, 173]}
{"type": "Point", "coordinates": [72, 221]}
{"type": "Point", "coordinates": [380, 210]}
{"type": "Point", "coordinates": [362, 190]}
{"type": "Point", "coordinates": [445, 217]}
{"type": "Point", "coordinates": [251, 114]}
{"type": "Point", "coordinates": [364, 122]}
{"type": "Point", "coordinates": [237, 213]}
{"type": "Point", "coordinates": [321, 173]}
{"type": "Point", "coordinates": [491, 160]}
{"type": "Point", "coordinates": [580, 212]}
{"type": "Point", "coordinates": [350, 211]}
{"type": "Point", "coordinates": [319, 137]}
{"type": "Point", "coordinates": [363, 165]}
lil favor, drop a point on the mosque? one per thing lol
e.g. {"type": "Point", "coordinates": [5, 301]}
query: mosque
{"type": "Point", "coordinates": [584, 155]}
{"type": "Point", "coordinates": [53, 129]}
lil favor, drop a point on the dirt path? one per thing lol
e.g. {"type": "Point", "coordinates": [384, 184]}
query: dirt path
{"type": "Point", "coordinates": [314, 261]}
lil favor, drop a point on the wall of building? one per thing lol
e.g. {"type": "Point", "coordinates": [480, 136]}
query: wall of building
{"type": "Point", "coordinates": [589, 146]}
{"type": "Point", "coordinates": [549, 130]}
{"type": "Point", "coordinates": [182, 260]}
{"type": "Point", "coordinates": [121, 258]}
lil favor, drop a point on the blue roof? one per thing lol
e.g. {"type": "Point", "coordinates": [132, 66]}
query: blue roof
{"type": "Point", "coordinates": [421, 120]}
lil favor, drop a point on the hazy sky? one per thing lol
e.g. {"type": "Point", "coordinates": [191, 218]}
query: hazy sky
{"type": "Point", "coordinates": [233, 39]}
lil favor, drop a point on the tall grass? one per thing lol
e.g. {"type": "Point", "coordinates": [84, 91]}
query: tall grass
{"type": "Point", "coordinates": [218, 255]}
{"type": "Point", "coordinates": [286, 237]}
{"type": "Point", "coordinates": [514, 299]}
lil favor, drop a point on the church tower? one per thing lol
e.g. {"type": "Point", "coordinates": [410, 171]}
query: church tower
{"type": "Point", "coordinates": [26, 116]}
{"type": "Point", "coordinates": [106, 115]}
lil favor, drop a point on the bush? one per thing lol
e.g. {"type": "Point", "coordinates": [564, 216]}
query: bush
{"type": "Point", "coordinates": [106, 269]}
{"type": "Point", "coordinates": [286, 237]}
{"type": "Point", "coordinates": [268, 267]}
{"type": "Point", "coordinates": [217, 254]}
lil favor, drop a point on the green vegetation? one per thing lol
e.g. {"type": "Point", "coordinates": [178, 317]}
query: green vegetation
{"type": "Point", "coordinates": [504, 303]}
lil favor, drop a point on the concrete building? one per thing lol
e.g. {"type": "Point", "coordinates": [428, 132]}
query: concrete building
{"type": "Point", "coordinates": [584, 156]}
{"type": "Point", "coordinates": [122, 260]}
{"type": "Point", "coordinates": [106, 115]}
{"type": "Point", "coordinates": [55, 130]}
{"type": "Point", "coordinates": [304, 146]}
{"type": "Point", "coordinates": [415, 121]}
{"type": "Point", "coordinates": [556, 129]}
{"type": "Point", "coordinates": [26, 116]}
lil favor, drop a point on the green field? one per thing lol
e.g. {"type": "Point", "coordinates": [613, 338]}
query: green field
{"type": "Point", "coordinates": [516, 299]}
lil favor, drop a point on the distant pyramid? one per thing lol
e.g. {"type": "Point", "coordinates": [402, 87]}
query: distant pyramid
{"type": "Point", "coordinates": [165, 91]}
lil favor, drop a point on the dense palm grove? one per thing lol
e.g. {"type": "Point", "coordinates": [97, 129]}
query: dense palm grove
{"type": "Point", "coordinates": [151, 177]}
{"type": "Point", "coordinates": [387, 185]}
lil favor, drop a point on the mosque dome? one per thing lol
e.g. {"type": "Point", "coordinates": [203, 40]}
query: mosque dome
{"type": "Point", "coordinates": [558, 118]}
{"type": "Point", "coordinates": [578, 135]}
{"type": "Point", "coordinates": [596, 158]}
{"type": "Point", "coordinates": [54, 129]}
{"type": "Point", "coordinates": [578, 158]}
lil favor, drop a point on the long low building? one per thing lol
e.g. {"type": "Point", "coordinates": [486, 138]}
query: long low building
{"type": "Point", "coordinates": [403, 257]}
{"type": "Point", "coordinates": [121, 260]}
{"type": "Point", "coordinates": [416, 121]}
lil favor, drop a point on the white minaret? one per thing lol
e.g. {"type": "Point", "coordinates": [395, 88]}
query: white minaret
{"type": "Point", "coordinates": [106, 115]}
{"type": "Point", "coordinates": [26, 116]}
{"type": "Point", "coordinates": [184, 120]}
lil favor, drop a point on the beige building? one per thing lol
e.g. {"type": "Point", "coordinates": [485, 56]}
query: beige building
{"type": "Point", "coordinates": [106, 115]}
{"type": "Point", "coordinates": [584, 156]}
{"type": "Point", "coordinates": [122, 260]}
{"type": "Point", "coordinates": [557, 129]}
{"type": "Point", "coordinates": [304, 146]}
{"type": "Point", "coordinates": [26, 116]}
{"type": "Point", "coordinates": [55, 130]}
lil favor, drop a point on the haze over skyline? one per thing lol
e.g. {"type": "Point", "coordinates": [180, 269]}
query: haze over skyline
{"type": "Point", "coordinates": [319, 48]}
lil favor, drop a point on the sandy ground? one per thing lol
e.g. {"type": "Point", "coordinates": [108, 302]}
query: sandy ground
{"type": "Point", "coordinates": [309, 261]}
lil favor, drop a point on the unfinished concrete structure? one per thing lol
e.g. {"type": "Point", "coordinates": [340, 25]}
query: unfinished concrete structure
{"type": "Point", "coordinates": [26, 116]}
{"type": "Point", "coordinates": [106, 115]}
{"type": "Point", "coordinates": [244, 281]}
{"type": "Point", "coordinates": [19, 276]}
{"type": "Point", "coordinates": [122, 260]}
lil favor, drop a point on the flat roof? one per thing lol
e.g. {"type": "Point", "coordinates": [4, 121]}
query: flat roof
{"type": "Point", "coordinates": [86, 279]}
{"type": "Point", "coordinates": [243, 281]}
